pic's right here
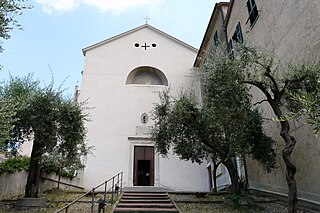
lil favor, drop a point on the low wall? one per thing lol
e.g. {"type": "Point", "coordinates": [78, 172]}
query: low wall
{"type": "Point", "coordinates": [50, 181]}
{"type": "Point", "coordinates": [13, 184]}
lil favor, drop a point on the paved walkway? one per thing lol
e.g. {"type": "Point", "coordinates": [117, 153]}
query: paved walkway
{"type": "Point", "coordinates": [146, 189]}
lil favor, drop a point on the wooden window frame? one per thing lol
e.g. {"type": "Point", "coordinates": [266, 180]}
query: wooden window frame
{"type": "Point", "coordinates": [216, 39]}
{"type": "Point", "coordinates": [252, 11]}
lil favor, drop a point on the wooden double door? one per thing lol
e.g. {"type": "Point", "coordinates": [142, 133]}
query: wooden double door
{"type": "Point", "coordinates": [143, 166]}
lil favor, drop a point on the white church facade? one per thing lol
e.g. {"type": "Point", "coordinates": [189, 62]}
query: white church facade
{"type": "Point", "coordinates": [121, 80]}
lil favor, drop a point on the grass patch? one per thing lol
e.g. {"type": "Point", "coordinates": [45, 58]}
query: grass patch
{"type": "Point", "coordinates": [60, 199]}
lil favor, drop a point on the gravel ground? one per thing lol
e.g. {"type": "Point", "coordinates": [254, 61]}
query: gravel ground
{"type": "Point", "coordinates": [192, 204]}
{"type": "Point", "coordinates": [213, 208]}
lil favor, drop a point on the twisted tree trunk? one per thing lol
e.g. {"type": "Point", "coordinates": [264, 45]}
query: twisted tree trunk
{"type": "Point", "coordinates": [229, 163]}
{"type": "Point", "coordinates": [33, 181]}
{"type": "Point", "coordinates": [290, 143]}
{"type": "Point", "coordinates": [232, 169]}
{"type": "Point", "coordinates": [215, 167]}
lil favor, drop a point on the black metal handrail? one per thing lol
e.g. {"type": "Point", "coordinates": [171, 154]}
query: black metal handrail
{"type": "Point", "coordinates": [115, 188]}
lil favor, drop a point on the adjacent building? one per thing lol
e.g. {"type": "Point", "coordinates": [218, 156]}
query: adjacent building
{"type": "Point", "coordinates": [290, 29]}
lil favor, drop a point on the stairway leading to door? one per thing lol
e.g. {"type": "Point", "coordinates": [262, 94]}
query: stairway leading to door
{"type": "Point", "coordinates": [145, 202]}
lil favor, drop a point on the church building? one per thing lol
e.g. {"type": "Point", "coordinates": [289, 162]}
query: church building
{"type": "Point", "coordinates": [122, 77]}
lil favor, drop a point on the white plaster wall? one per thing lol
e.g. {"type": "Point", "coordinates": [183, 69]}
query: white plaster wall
{"type": "Point", "coordinates": [26, 148]}
{"type": "Point", "coordinates": [117, 107]}
{"type": "Point", "coordinates": [291, 29]}
{"type": "Point", "coordinates": [183, 175]}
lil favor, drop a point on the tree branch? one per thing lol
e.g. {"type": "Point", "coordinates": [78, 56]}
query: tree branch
{"type": "Point", "coordinates": [260, 102]}
{"type": "Point", "coordinates": [273, 80]}
{"type": "Point", "coordinates": [288, 83]}
{"type": "Point", "coordinates": [260, 86]}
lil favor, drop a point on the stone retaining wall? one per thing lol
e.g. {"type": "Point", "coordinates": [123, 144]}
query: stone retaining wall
{"type": "Point", "coordinates": [13, 184]}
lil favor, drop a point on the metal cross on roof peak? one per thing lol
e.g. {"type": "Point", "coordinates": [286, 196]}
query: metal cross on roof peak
{"type": "Point", "coordinates": [146, 18]}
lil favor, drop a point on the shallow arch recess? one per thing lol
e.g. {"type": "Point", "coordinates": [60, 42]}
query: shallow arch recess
{"type": "Point", "coordinates": [146, 75]}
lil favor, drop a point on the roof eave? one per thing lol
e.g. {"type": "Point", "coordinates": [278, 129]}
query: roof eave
{"type": "Point", "coordinates": [84, 50]}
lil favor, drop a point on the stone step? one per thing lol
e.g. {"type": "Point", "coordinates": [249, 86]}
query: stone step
{"type": "Point", "coordinates": [143, 197]}
{"type": "Point", "coordinates": [167, 200]}
{"type": "Point", "coordinates": [148, 202]}
{"type": "Point", "coordinates": [145, 194]}
{"type": "Point", "coordinates": [146, 205]}
{"type": "Point", "coordinates": [145, 210]}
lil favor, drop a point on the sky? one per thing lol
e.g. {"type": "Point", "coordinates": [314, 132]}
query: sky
{"type": "Point", "coordinates": [55, 32]}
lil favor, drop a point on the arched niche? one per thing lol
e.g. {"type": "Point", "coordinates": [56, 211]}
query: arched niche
{"type": "Point", "coordinates": [146, 75]}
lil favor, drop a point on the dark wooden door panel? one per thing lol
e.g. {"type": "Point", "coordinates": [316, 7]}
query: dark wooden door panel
{"type": "Point", "coordinates": [143, 172]}
{"type": "Point", "coordinates": [149, 155]}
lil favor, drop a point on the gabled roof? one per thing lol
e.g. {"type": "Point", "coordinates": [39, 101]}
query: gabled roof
{"type": "Point", "coordinates": [84, 50]}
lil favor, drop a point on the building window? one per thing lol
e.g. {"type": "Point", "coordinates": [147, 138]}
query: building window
{"type": "Point", "coordinates": [253, 11]}
{"type": "Point", "coordinates": [237, 36]}
{"type": "Point", "coordinates": [231, 48]}
{"type": "Point", "coordinates": [216, 39]}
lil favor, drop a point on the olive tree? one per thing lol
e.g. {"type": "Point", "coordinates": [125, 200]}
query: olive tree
{"type": "Point", "coordinates": [223, 125]}
{"type": "Point", "coordinates": [7, 112]}
{"type": "Point", "coordinates": [276, 80]}
{"type": "Point", "coordinates": [48, 119]}
{"type": "Point", "coordinates": [9, 9]}
{"type": "Point", "coordinates": [309, 107]}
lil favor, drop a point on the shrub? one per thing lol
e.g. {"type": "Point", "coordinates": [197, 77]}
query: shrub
{"type": "Point", "coordinates": [66, 174]}
{"type": "Point", "coordinates": [14, 164]}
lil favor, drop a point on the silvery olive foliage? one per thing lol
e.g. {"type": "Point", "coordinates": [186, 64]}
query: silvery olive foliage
{"type": "Point", "coordinates": [9, 9]}
{"type": "Point", "coordinates": [290, 90]}
{"type": "Point", "coordinates": [223, 125]}
{"type": "Point", "coordinates": [53, 122]}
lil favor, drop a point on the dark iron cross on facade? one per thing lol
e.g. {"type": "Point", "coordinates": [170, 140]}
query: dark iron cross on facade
{"type": "Point", "coordinates": [145, 46]}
